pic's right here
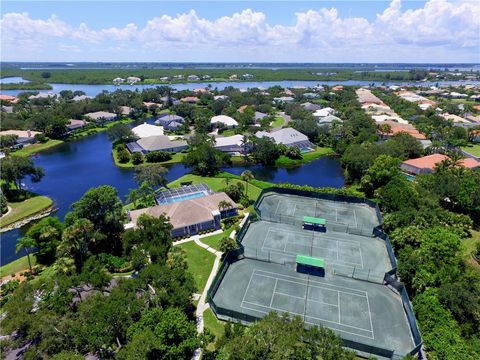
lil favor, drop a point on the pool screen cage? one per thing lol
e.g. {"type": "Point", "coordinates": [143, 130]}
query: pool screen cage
{"type": "Point", "coordinates": [163, 197]}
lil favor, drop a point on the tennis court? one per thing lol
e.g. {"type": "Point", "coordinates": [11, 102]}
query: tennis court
{"type": "Point", "coordinates": [282, 207]}
{"type": "Point", "coordinates": [281, 243]}
{"type": "Point", "coordinates": [359, 311]}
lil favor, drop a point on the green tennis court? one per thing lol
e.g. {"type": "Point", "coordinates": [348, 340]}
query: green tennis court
{"type": "Point", "coordinates": [358, 311]}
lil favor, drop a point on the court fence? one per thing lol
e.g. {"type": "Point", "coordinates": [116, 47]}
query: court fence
{"type": "Point", "coordinates": [389, 277]}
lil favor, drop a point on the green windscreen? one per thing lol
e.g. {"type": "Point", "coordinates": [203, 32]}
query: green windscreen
{"type": "Point", "coordinates": [314, 220]}
{"type": "Point", "coordinates": [311, 261]}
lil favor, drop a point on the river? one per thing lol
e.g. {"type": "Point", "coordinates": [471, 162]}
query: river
{"type": "Point", "coordinates": [74, 167]}
{"type": "Point", "coordinates": [93, 90]}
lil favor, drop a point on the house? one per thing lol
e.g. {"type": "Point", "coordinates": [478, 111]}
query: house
{"type": "Point", "coordinates": [396, 128]}
{"type": "Point", "coordinates": [308, 106]}
{"type": "Point", "coordinates": [365, 96]}
{"type": "Point", "coordinates": [220, 97]}
{"type": "Point", "coordinates": [145, 130]}
{"type": "Point", "coordinates": [324, 112]}
{"type": "Point", "coordinates": [189, 99]}
{"type": "Point", "coordinates": [42, 96]}
{"type": "Point", "coordinates": [164, 78]}
{"type": "Point", "coordinates": [9, 98]}
{"type": "Point", "coordinates": [7, 109]}
{"type": "Point", "coordinates": [189, 217]}
{"type": "Point", "coordinates": [23, 136]}
{"type": "Point", "coordinates": [165, 99]}
{"type": "Point", "coordinates": [178, 77]}
{"type": "Point", "coordinates": [310, 95]}
{"type": "Point", "coordinates": [328, 120]}
{"type": "Point", "coordinates": [288, 137]}
{"type": "Point", "coordinates": [150, 104]}
{"type": "Point", "coordinates": [283, 100]}
{"type": "Point", "coordinates": [242, 108]}
{"type": "Point", "coordinates": [247, 76]}
{"type": "Point", "coordinates": [193, 78]}
{"type": "Point", "coordinates": [125, 110]}
{"type": "Point", "coordinates": [81, 98]}
{"type": "Point", "coordinates": [228, 121]}
{"type": "Point", "coordinates": [201, 91]}
{"type": "Point", "coordinates": [426, 164]}
{"type": "Point", "coordinates": [231, 144]}
{"type": "Point", "coordinates": [118, 80]}
{"type": "Point", "coordinates": [233, 77]}
{"type": "Point", "coordinates": [157, 143]}
{"type": "Point", "coordinates": [133, 79]}
{"type": "Point", "coordinates": [170, 121]}
{"type": "Point", "coordinates": [74, 124]}
{"type": "Point", "coordinates": [101, 116]}
{"type": "Point", "coordinates": [206, 77]}
{"type": "Point", "coordinates": [258, 116]}
{"type": "Point", "coordinates": [337, 88]}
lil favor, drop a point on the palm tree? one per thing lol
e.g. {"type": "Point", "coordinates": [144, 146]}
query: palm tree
{"type": "Point", "coordinates": [247, 176]}
{"type": "Point", "coordinates": [224, 205]}
{"type": "Point", "coordinates": [28, 244]}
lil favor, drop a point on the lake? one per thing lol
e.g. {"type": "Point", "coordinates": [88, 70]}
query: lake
{"type": "Point", "coordinates": [93, 90]}
{"type": "Point", "coordinates": [74, 167]}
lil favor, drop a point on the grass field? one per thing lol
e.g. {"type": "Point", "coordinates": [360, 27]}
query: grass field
{"type": "Point", "coordinates": [472, 149]}
{"type": "Point", "coordinates": [24, 209]}
{"type": "Point", "coordinates": [470, 245]}
{"type": "Point", "coordinates": [214, 326]}
{"type": "Point", "coordinates": [32, 149]}
{"type": "Point", "coordinates": [200, 263]}
{"type": "Point", "coordinates": [214, 240]}
{"type": "Point", "coordinates": [284, 161]}
{"type": "Point", "coordinates": [219, 183]}
{"type": "Point", "coordinates": [16, 266]}
{"type": "Point", "coordinates": [279, 122]}
{"type": "Point", "coordinates": [176, 158]}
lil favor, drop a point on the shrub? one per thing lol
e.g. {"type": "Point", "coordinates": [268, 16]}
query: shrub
{"type": "Point", "coordinates": [123, 156]}
{"type": "Point", "coordinates": [157, 156]}
{"type": "Point", "coordinates": [41, 138]}
{"type": "Point", "coordinates": [137, 158]}
{"type": "Point", "coordinates": [113, 263]}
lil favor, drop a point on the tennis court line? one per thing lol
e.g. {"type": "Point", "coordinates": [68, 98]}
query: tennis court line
{"type": "Point", "coordinates": [319, 285]}
{"type": "Point", "coordinates": [309, 237]}
{"type": "Point", "coordinates": [297, 234]}
{"type": "Point", "coordinates": [309, 316]}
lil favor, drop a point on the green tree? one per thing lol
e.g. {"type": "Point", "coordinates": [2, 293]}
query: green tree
{"type": "Point", "coordinates": [205, 160]}
{"type": "Point", "coordinates": [46, 234]}
{"type": "Point", "coordinates": [227, 244]}
{"type": "Point", "coordinates": [121, 133]}
{"type": "Point", "coordinates": [7, 141]}
{"type": "Point", "coordinates": [27, 244]}
{"type": "Point", "coordinates": [56, 127]}
{"type": "Point", "coordinates": [174, 336]}
{"type": "Point", "coordinates": [154, 175]}
{"type": "Point", "coordinates": [265, 151]}
{"type": "Point", "coordinates": [15, 168]}
{"type": "Point", "coordinates": [247, 176]}
{"type": "Point", "coordinates": [104, 209]}
{"type": "Point", "coordinates": [282, 337]}
{"type": "Point", "coordinates": [384, 169]}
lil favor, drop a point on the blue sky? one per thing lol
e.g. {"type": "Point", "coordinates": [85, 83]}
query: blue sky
{"type": "Point", "coordinates": [302, 31]}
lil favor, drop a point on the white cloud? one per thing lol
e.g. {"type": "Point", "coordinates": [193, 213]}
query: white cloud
{"type": "Point", "coordinates": [438, 24]}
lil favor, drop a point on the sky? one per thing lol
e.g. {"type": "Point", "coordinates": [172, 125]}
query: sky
{"type": "Point", "coordinates": [434, 31]}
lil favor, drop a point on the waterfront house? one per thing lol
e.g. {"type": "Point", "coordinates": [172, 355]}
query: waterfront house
{"type": "Point", "coordinates": [232, 144]}
{"type": "Point", "coordinates": [189, 217]}
{"type": "Point", "coordinates": [227, 121]}
{"type": "Point", "coordinates": [9, 98]}
{"type": "Point", "coordinates": [157, 143]}
{"type": "Point", "coordinates": [170, 122]}
{"type": "Point", "coordinates": [283, 99]}
{"type": "Point", "coordinates": [189, 99]}
{"type": "Point", "coordinates": [220, 97]}
{"type": "Point", "coordinates": [23, 136]}
{"type": "Point", "coordinates": [133, 79]}
{"type": "Point", "coordinates": [81, 98]}
{"type": "Point", "coordinates": [145, 130]}
{"type": "Point", "coordinates": [101, 116]}
{"type": "Point", "coordinates": [118, 80]}
{"type": "Point", "coordinates": [74, 124]}
{"type": "Point", "coordinates": [193, 78]}
{"type": "Point", "coordinates": [288, 137]}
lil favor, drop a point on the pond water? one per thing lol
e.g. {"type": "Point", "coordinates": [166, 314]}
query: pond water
{"type": "Point", "coordinates": [93, 90]}
{"type": "Point", "coordinates": [13, 80]}
{"type": "Point", "coordinates": [74, 167]}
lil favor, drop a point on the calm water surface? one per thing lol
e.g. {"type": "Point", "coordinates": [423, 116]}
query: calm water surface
{"type": "Point", "coordinates": [74, 167]}
{"type": "Point", "coordinates": [93, 90]}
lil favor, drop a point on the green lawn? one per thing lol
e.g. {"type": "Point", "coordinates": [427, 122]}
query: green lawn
{"type": "Point", "coordinates": [284, 161]}
{"type": "Point", "coordinates": [99, 128]}
{"type": "Point", "coordinates": [472, 149]}
{"type": "Point", "coordinates": [214, 240]}
{"type": "Point", "coordinates": [279, 122]}
{"type": "Point", "coordinates": [176, 158]}
{"type": "Point", "coordinates": [34, 148]}
{"type": "Point", "coordinates": [200, 263]}
{"type": "Point", "coordinates": [229, 132]}
{"type": "Point", "coordinates": [26, 208]}
{"type": "Point", "coordinates": [16, 266]}
{"type": "Point", "coordinates": [470, 245]}
{"type": "Point", "coordinates": [217, 328]}
{"type": "Point", "coordinates": [219, 183]}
